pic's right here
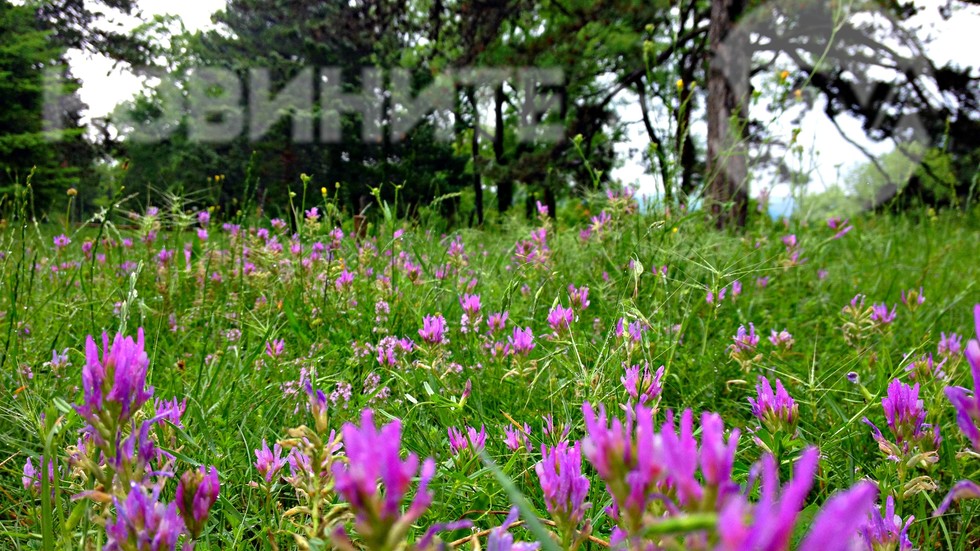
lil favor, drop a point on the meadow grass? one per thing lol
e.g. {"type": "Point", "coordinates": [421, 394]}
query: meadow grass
{"type": "Point", "coordinates": [239, 321]}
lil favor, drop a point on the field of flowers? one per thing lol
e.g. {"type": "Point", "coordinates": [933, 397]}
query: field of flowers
{"type": "Point", "coordinates": [182, 378]}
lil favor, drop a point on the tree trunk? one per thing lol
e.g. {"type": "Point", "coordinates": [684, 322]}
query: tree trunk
{"type": "Point", "coordinates": [505, 186]}
{"type": "Point", "coordinates": [475, 153]}
{"type": "Point", "coordinates": [728, 101]}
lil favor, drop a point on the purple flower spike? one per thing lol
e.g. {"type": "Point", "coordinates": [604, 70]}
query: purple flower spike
{"type": "Point", "coordinates": [776, 410]}
{"type": "Point", "coordinates": [717, 455]}
{"type": "Point", "coordinates": [522, 341]}
{"type": "Point", "coordinates": [681, 457]}
{"type": "Point", "coordinates": [197, 492]}
{"type": "Point", "coordinates": [433, 329]}
{"type": "Point", "coordinates": [773, 517]}
{"type": "Point", "coordinates": [501, 540]}
{"type": "Point", "coordinates": [964, 489]}
{"type": "Point", "coordinates": [881, 315]}
{"type": "Point", "coordinates": [967, 406]}
{"type": "Point", "coordinates": [560, 318]}
{"type": "Point", "coordinates": [142, 522]}
{"type": "Point", "coordinates": [646, 388]}
{"type": "Point", "coordinates": [744, 341]}
{"type": "Point", "coordinates": [115, 385]}
{"type": "Point", "coordinates": [564, 486]}
{"type": "Point", "coordinates": [888, 531]}
{"type": "Point", "coordinates": [269, 462]}
{"type": "Point", "coordinates": [459, 441]}
{"type": "Point", "coordinates": [904, 411]}
{"type": "Point", "coordinates": [374, 455]}
{"type": "Point", "coordinates": [840, 518]}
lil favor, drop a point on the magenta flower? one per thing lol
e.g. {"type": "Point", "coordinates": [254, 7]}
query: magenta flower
{"type": "Point", "coordinates": [31, 478]}
{"type": "Point", "coordinates": [579, 297]}
{"type": "Point", "coordinates": [775, 410]}
{"type": "Point", "coordinates": [841, 227]}
{"type": "Point", "coordinates": [501, 540]}
{"type": "Point", "coordinates": [736, 289]}
{"type": "Point", "coordinates": [433, 329]}
{"type": "Point", "coordinates": [516, 438]}
{"type": "Point", "coordinates": [470, 304]}
{"type": "Point", "coordinates": [560, 318]}
{"type": "Point", "coordinates": [269, 462]}
{"type": "Point", "coordinates": [114, 386]}
{"type": "Point", "coordinates": [142, 522]}
{"type": "Point", "coordinates": [782, 340]}
{"type": "Point", "coordinates": [628, 456]}
{"type": "Point", "coordinates": [769, 523]}
{"type": "Point", "coordinates": [881, 315]}
{"type": "Point", "coordinates": [645, 388]}
{"type": "Point", "coordinates": [344, 281]}
{"type": "Point", "coordinates": [522, 341]}
{"type": "Point", "coordinates": [967, 406]}
{"type": "Point", "coordinates": [912, 298]}
{"type": "Point", "coordinates": [471, 439]}
{"type": "Point", "coordinates": [374, 456]}
{"type": "Point", "coordinates": [835, 525]}
{"type": "Point", "coordinates": [497, 321]}
{"type": "Point", "coordinates": [950, 345]}
{"type": "Point", "coordinates": [744, 341]}
{"type": "Point", "coordinates": [564, 486]}
{"type": "Point", "coordinates": [762, 282]}
{"type": "Point", "coordinates": [197, 492]}
{"type": "Point", "coordinates": [274, 348]}
{"type": "Point", "coordinates": [905, 414]}
{"type": "Point", "coordinates": [888, 531]}
{"type": "Point", "coordinates": [61, 241]}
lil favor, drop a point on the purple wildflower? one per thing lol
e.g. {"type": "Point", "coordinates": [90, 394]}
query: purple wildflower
{"type": "Point", "coordinates": [783, 339]}
{"type": "Point", "coordinates": [522, 341]}
{"type": "Point", "coordinates": [31, 478]}
{"type": "Point", "coordinates": [501, 540]}
{"type": "Point", "coordinates": [881, 315]}
{"type": "Point", "coordinates": [564, 486]}
{"type": "Point", "coordinates": [115, 385]}
{"type": "Point", "coordinates": [374, 455]}
{"type": "Point", "coordinates": [968, 407]}
{"type": "Point", "coordinates": [745, 341]}
{"type": "Point", "coordinates": [516, 438]}
{"type": "Point", "coordinates": [269, 462]}
{"type": "Point", "coordinates": [433, 329]}
{"type": "Point", "coordinates": [905, 414]}
{"type": "Point", "coordinates": [843, 514]}
{"type": "Point", "coordinates": [775, 410]}
{"type": "Point", "coordinates": [197, 492]}
{"type": "Point", "coordinates": [142, 522]}
{"type": "Point", "coordinates": [887, 531]}
{"type": "Point", "coordinates": [560, 318]}
{"type": "Point", "coordinates": [842, 227]}
{"type": "Point", "coordinates": [471, 439]}
{"type": "Point", "coordinates": [950, 345]}
{"type": "Point", "coordinates": [274, 348]}
{"type": "Point", "coordinates": [645, 388]}
{"type": "Point", "coordinates": [579, 297]}
{"type": "Point", "coordinates": [61, 241]}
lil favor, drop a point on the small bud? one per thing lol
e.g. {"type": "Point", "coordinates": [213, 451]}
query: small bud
{"type": "Point", "coordinates": [72, 192]}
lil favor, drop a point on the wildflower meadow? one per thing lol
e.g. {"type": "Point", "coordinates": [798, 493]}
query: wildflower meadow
{"type": "Point", "coordinates": [183, 377]}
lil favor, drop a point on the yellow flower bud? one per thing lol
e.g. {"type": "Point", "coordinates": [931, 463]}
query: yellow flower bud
{"type": "Point", "coordinates": [783, 76]}
{"type": "Point", "coordinates": [323, 191]}
{"type": "Point", "coordinates": [72, 192]}
{"type": "Point", "coordinates": [680, 84]}
{"type": "Point", "coordinates": [798, 94]}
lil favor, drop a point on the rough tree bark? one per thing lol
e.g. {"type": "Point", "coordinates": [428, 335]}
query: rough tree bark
{"type": "Point", "coordinates": [728, 100]}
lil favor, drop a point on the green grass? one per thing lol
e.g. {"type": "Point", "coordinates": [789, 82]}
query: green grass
{"type": "Point", "coordinates": [217, 359]}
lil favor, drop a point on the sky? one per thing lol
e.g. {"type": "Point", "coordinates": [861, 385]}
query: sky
{"type": "Point", "coordinates": [828, 155]}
